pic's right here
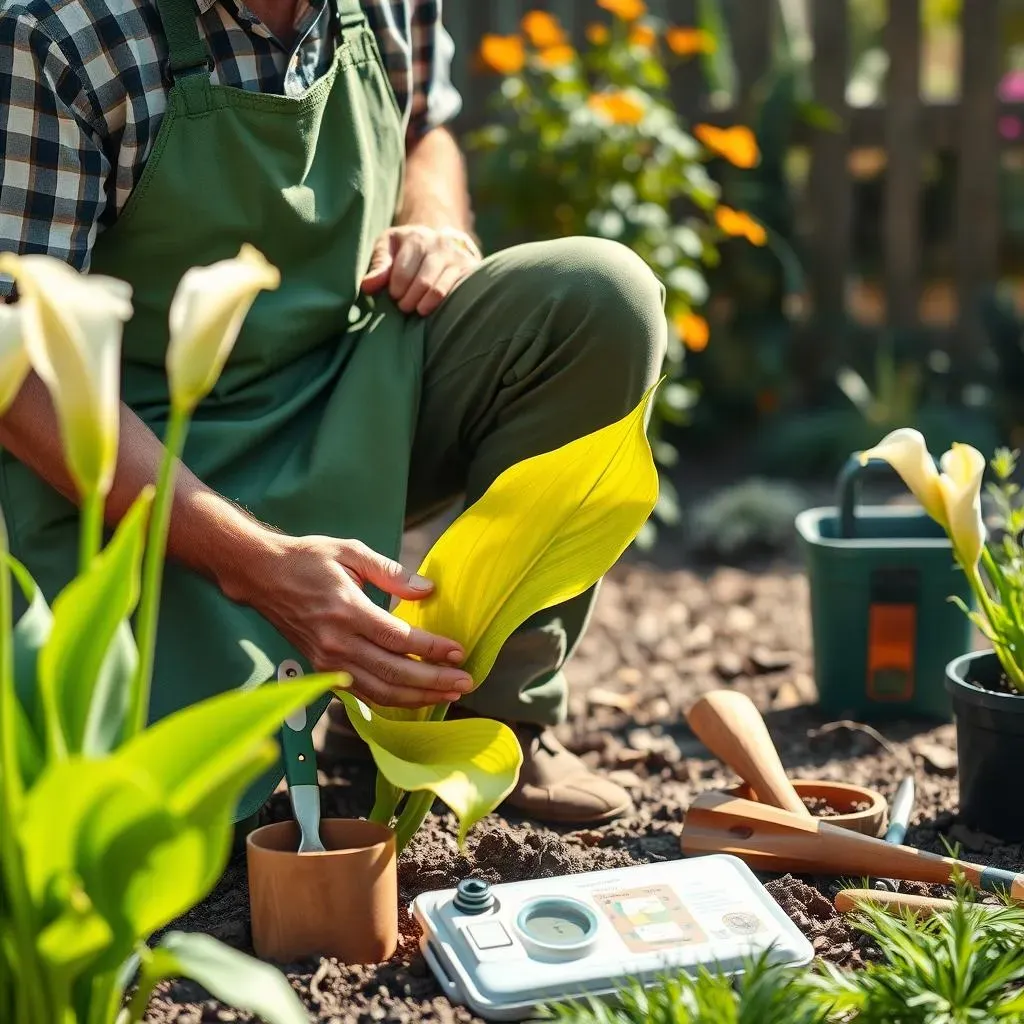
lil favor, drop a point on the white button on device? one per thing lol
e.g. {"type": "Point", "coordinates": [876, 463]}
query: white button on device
{"type": "Point", "coordinates": [489, 935]}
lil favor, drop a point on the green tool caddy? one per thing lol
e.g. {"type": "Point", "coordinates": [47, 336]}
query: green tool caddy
{"type": "Point", "coordinates": [883, 626]}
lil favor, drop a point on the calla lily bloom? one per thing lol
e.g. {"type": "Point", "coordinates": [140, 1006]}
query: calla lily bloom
{"type": "Point", "coordinates": [905, 450]}
{"type": "Point", "coordinates": [72, 326]}
{"type": "Point", "coordinates": [206, 315]}
{"type": "Point", "coordinates": [960, 485]}
{"type": "Point", "coordinates": [14, 361]}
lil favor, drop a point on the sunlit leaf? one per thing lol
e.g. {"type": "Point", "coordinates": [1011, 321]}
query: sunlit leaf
{"type": "Point", "coordinates": [471, 764]}
{"type": "Point", "coordinates": [228, 975]}
{"type": "Point", "coordinates": [546, 530]}
{"type": "Point", "coordinates": [87, 616]}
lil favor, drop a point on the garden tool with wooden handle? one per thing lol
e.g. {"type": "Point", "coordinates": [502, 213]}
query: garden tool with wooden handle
{"type": "Point", "coordinates": [300, 770]}
{"type": "Point", "coordinates": [731, 727]}
{"type": "Point", "coordinates": [848, 900]}
{"type": "Point", "coordinates": [770, 839]}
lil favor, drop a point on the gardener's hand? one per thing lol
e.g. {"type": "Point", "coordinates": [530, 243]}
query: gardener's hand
{"type": "Point", "coordinates": [420, 266]}
{"type": "Point", "coordinates": [310, 589]}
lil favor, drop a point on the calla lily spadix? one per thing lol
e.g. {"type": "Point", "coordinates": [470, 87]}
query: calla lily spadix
{"type": "Point", "coordinates": [14, 361]}
{"type": "Point", "coordinates": [205, 317]}
{"type": "Point", "coordinates": [72, 326]}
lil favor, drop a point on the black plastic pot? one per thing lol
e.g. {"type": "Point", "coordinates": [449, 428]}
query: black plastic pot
{"type": "Point", "coordinates": [990, 747]}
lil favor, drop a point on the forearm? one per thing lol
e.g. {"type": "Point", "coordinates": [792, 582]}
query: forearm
{"type": "Point", "coordinates": [436, 192]}
{"type": "Point", "coordinates": [208, 534]}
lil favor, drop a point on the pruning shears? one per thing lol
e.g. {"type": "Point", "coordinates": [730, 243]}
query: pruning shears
{"type": "Point", "coordinates": [300, 769]}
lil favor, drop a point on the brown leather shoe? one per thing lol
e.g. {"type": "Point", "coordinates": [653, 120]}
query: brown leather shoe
{"type": "Point", "coordinates": [556, 787]}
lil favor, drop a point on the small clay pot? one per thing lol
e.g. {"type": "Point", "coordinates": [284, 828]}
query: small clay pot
{"type": "Point", "coordinates": [870, 822]}
{"type": "Point", "coordinates": [341, 903]}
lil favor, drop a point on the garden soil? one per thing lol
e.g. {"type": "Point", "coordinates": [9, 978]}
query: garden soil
{"type": "Point", "coordinates": [659, 638]}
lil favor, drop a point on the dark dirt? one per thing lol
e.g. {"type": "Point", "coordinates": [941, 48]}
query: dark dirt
{"type": "Point", "coordinates": [659, 638]}
{"type": "Point", "coordinates": [821, 808]}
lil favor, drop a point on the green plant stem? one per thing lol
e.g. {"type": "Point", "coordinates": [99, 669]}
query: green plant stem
{"type": "Point", "coordinates": [417, 807]}
{"type": "Point", "coordinates": [13, 883]}
{"type": "Point", "coordinates": [1013, 670]}
{"type": "Point", "coordinates": [90, 535]}
{"type": "Point", "coordinates": [152, 570]}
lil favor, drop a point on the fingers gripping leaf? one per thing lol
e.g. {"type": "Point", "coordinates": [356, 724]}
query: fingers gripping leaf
{"type": "Point", "coordinates": [545, 531]}
{"type": "Point", "coordinates": [471, 764]}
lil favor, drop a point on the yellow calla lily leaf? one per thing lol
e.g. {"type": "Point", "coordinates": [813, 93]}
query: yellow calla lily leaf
{"type": "Point", "coordinates": [546, 530]}
{"type": "Point", "coordinates": [471, 764]}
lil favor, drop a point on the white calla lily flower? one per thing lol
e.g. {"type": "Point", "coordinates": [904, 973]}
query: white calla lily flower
{"type": "Point", "coordinates": [14, 361]}
{"type": "Point", "coordinates": [906, 451]}
{"type": "Point", "coordinates": [207, 312]}
{"type": "Point", "coordinates": [960, 485]}
{"type": "Point", "coordinates": [73, 324]}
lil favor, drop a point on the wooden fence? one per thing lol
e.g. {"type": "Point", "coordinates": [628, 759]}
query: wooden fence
{"type": "Point", "coordinates": [905, 126]}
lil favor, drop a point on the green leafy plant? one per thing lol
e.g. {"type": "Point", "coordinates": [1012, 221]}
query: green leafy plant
{"type": "Point", "coordinates": [765, 993]}
{"type": "Point", "coordinates": [966, 964]}
{"type": "Point", "coordinates": [595, 132]}
{"type": "Point", "coordinates": [110, 830]}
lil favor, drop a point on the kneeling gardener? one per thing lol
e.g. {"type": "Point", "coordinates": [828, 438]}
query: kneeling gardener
{"type": "Point", "coordinates": [393, 370]}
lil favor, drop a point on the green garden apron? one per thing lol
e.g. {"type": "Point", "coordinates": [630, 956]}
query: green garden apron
{"type": "Point", "coordinates": [310, 426]}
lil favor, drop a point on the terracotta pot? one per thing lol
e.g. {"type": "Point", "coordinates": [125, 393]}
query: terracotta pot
{"type": "Point", "coordinates": [341, 903]}
{"type": "Point", "coordinates": [841, 796]}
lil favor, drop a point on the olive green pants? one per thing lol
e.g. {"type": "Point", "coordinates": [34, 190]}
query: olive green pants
{"type": "Point", "coordinates": [542, 344]}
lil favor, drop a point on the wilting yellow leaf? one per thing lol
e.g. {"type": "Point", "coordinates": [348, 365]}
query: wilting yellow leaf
{"type": "Point", "coordinates": [736, 144]}
{"type": "Point", "coordinates": [542, 29]}
{"type": "Point", "coordinates": [740, 225]}
{"type": "Point", "coordinates": [627, 10]}
{"type": "Point", "coordinates": [617, 107]}
{"type": "Point", "coordinates": [546, 530]}
{"type": "Point", "coordinates": [504, 54]}
{"type": "Point", "coordinates": [472, 764]}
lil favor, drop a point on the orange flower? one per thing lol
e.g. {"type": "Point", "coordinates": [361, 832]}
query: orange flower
{"type": "Point", "coordinates": [556, 56]}
{"type": "Point", "coordinates": [642, 35]}
{"type": "Point", "coordinates": [617, 107]}
{"type": "Point", "coordinates": [694, 331]}
{"type": "Point", "coordinates": [736, 144]}
{"type": "Point", "coordinates": [504, 54]}
{"type": "Point", "coordinates": [542, 29]}
{"type": "Point", "coordinates": [688, 41]}
{"type": "Point", "coordinates": [627, 10]}
{"type": "Point", "coordinates": [767, 401]}
{"type": "Point", "coordinates": [597, 34]}
{"type": "Point", "coordinates": [740, 225]}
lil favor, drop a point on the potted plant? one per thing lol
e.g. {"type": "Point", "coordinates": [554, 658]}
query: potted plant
{"type": "Point", "coordinates": [546, 530]}
{"type": "Point", "coordinates": [986, 687]}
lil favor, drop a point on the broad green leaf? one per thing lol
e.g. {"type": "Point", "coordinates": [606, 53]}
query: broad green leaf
{"type": "Point", "coordinates": [30, 633]}
{"type": "Point", "coordinates": [105, 723]}
{"type": "Point", "coordinates": [546, 530]}
{"type": "Point", "coordinates": [195, 751]}
{"type": "Point", "coordinates": [471, 764]}
{"type": "Point", "coordinates": [232, 977]}
{"type": "Point", "coordinates": [87, 616]}
{"type": "Point", "coordinates": [76, 936]}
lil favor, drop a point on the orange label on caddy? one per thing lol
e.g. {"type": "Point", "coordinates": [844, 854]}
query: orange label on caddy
{"type": "Point", "coordinates": [892, 637]}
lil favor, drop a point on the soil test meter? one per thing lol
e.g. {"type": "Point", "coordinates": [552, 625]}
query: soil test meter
{"type": "Point", "coordinates": [503, 949]}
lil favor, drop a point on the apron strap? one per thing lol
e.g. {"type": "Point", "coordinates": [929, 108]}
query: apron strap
{"type": "Point", "coordinates": [186, 48]}
{"type": "Point", "coordinates": [349, 11]}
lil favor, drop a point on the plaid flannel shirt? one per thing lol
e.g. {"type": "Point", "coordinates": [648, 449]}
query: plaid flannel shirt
{"type": "Point", "coordinates": [83, 92]}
